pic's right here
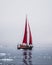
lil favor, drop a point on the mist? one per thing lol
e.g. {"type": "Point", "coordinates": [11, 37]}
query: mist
{"type": "Point", "coordinates": [12, 21]}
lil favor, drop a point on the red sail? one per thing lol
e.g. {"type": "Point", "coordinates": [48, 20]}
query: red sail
{"type": "Point", "coordinates": [25, 34]}
{"type": "Point", "coordinates": [30, 36]}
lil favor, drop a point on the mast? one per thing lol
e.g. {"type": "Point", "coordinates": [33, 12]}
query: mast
{"type": "Point", "coordinates": [30, 36]}
{"type": "Point", "coordinates": [25, 33]}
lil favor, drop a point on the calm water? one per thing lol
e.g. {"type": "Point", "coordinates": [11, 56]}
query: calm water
{"type": "Point", "coordinates": [36, 56]}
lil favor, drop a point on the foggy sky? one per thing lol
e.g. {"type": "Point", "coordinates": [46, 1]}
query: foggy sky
{"type": "Point", "coordinates": [12, 20]}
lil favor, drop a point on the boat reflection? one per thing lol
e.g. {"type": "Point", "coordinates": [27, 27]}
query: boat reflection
{"type": "Point", "coordinates": [27, 57]}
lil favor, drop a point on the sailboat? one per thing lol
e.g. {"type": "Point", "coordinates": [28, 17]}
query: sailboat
{"type": "Point", "coordinates": [25, 43]}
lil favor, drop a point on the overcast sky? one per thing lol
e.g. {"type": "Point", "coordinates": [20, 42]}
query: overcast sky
{"type": "Point", "coordinates": [12, 20]}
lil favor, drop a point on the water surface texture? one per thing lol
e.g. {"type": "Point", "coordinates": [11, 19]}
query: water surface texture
{"type": "Point", "coordinates": [36, 56]}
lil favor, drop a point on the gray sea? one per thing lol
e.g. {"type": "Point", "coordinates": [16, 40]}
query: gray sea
{"type": "Point", "coordinates": [36, 56]}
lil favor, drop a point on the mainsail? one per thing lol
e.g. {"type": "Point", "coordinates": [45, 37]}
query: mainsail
{"type": "Point", "coordinates": [25, 33]}
{"type": "Point", "coordinates": [30, 36]}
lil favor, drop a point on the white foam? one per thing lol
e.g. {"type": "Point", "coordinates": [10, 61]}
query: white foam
{"type": "Point", "coordinates": [6, 59]}
{"type": "Point", "coordinates": [2, 54]}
